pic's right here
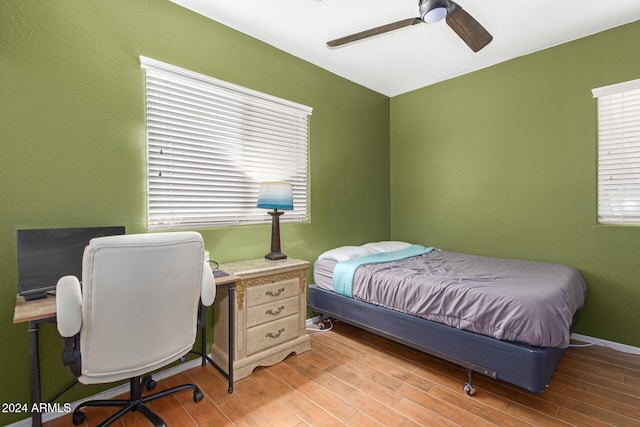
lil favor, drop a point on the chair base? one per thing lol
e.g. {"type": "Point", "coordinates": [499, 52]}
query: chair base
{"type": "Point", "coordinates": [136, 401]}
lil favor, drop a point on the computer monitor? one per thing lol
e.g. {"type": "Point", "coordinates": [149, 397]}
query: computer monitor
{"type": "Point", "coordinates": [47, 254]}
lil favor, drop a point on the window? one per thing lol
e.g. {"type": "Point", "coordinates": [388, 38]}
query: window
{"type": "Point", "coordinates": [210, 144]}
{"type": "Point", "coordinates": [619, 153]}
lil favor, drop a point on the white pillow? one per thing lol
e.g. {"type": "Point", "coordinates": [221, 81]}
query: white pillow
{"type": "Point", "coordinates": [345, 253]}
{"type": "Point", "coordinates": [386, 246]}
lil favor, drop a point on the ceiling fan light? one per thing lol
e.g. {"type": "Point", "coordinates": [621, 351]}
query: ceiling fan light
{"type": "Point", "coordinates": [434, 15]}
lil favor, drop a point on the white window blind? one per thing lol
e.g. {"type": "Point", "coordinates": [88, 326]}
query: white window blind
{"type": "Point", "coordinates": [619, 153]}
{"type": "Point", "coordinates": [209, 145]}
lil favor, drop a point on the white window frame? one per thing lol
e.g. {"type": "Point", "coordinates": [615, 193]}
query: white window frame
{"type": "Point", "coordinates": [619, 153]}
{"type": "Point", "coordinates": [209, 145]}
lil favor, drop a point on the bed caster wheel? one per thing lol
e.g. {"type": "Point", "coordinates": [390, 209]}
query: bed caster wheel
{"type": "Point", "coordinates": [151, 384]}
{"type": "Point", "coordinates": [469, 389]}
{"type": "Point", "coordinates": [198, 396]}
{"type": "Point", "coordinates": [321, 326]}
{"type": "Point", "coordinates": [78, 418]}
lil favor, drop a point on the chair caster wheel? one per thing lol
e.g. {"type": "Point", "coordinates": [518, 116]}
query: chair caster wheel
{"type": "Point", "coordinates": [78, 418]}
{"type": "Point", "coordinates": [198, 396]}
{"type": "Point", "coordinates": [151, 384]}
{"type": "Point", "coordinates": [469, 389]}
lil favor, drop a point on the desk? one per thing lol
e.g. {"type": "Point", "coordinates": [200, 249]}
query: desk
{"type": "Point", "coordinates": [44, 311]}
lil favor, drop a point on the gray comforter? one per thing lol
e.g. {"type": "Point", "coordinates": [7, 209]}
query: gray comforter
{"type": "Point", "coordinates": [512, 300]}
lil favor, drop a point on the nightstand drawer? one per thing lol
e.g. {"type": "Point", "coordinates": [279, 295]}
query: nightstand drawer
{"type": "Point", "coordinates": [270, 292]}
{"type": "Point", "coordinates": [272, 311]}
{"type": "Point", "coordinates": [269, 314]}
{"type": "Point", "coordinates": [271, 334]}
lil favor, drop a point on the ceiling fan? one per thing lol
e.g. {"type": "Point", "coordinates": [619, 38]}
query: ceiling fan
{"type": "Point", "coordinates": [465, 25]}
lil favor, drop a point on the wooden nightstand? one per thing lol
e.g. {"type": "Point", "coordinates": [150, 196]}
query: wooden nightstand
{"type": "Point", "coordinates": [270, 314]}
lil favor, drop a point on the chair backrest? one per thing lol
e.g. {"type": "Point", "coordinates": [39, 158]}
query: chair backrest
{"type": "Point", "coordinates": [140, 296]}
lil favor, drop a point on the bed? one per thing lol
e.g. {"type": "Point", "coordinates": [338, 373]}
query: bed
{"type": "Point", "coordinates": [507, 319]}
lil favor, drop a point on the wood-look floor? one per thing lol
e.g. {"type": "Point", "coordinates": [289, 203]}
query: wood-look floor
{"type": "Point", "coordinates": [351, 377]}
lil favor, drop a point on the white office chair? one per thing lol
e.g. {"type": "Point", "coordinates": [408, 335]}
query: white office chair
{"type": "Point", "coordinates": [138, 310]}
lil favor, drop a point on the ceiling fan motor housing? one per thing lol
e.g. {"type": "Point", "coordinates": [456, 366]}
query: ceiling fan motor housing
{"type": "Point", "coordinates": [433, 10]}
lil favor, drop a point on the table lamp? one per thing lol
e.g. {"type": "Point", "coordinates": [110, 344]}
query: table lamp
{"type": "Point", "coordinates": [275, 195]}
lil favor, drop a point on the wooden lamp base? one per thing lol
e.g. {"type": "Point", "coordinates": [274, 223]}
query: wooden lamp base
{"type": "Point", "coordinates": [275, 253]}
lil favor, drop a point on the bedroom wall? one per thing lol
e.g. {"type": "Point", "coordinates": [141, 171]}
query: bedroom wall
{"type": "Point", "coordinates": [502, 162]}
{"type": "Point", "coordinates": [73, 141]}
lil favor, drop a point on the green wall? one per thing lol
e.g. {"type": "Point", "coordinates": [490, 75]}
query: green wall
{"type": "Point", "coordinates": [502, 162]}
{"type": "Point", "coordinates": [73, 141]}
{"type": "Point", "coordinates": [499, 162]}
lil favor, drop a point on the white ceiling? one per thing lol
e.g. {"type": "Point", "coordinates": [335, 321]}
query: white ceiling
{"type": "Point", "coordinates": [416, 56]}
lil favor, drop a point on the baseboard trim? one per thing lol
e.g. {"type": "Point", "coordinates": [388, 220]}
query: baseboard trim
{"type": "Point", "coordinates": [113, 392]}
{"type": "Point", "coordinates": [314, 320]}
{"type": "Point", "coordinates": [611, 344]}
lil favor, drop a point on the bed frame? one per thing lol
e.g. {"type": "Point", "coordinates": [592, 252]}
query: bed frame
{"type": "Point", "coordinates": [525, 366]}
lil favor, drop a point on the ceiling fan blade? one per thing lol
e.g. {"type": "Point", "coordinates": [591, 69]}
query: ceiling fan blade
{"type": "Point", "coordinates": [465, 26]}
{"type": "Point", "coordinates": [373, 32]}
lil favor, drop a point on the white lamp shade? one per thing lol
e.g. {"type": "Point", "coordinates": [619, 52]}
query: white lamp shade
{"type": "Point", "coordinates": [276, 195]}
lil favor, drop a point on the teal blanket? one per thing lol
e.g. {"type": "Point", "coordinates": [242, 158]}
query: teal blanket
{"type": "Point", "coordinates": [344, 271]}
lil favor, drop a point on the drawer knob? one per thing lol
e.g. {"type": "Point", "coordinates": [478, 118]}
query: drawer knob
{"type": "Point", "coordinates": [276, 335]}
{"type": "Point", "coordinates": [274, 294]}
{"type": "Point", "coordinates": [275, 312]}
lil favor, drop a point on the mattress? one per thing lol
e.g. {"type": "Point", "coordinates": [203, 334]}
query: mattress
{"type": "Point", "coordinates": [506, 299]}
